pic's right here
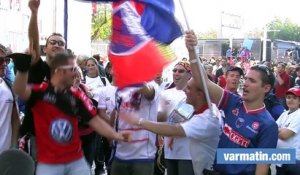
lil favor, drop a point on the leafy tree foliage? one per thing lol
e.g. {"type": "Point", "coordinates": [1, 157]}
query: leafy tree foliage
{"type": "Point", "coordinates": [102, 22]}
{"type": "Point", "coordinates": [287, 30]}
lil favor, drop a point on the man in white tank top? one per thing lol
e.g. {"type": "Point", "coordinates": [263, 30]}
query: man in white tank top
{"type": "Point", "coordinates": [9, 118]}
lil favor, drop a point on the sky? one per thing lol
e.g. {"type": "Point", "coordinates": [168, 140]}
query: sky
{"type": "Point", "coordinates": [205, 15]}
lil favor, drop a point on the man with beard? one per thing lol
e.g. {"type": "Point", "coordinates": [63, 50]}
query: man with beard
{"type": "Point", "coordinates": [247, 123]}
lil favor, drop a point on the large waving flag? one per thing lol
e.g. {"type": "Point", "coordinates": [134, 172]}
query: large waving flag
{"type": "Point", "coordinates": [137, 27]}
{"type": "Point", "coordinates": [157, 18]}
{"type": "Point", "coordinates": [135, 56]}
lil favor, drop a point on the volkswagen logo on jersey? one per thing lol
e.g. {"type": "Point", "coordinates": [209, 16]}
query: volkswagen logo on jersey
{"type": "Point", "coordinates": [61, 131]}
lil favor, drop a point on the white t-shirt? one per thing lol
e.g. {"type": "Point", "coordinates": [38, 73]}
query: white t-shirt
{"type": "Point", "coordinates": [203, 132]}
{"type": "Point", "coordinates": [291, 122]}
{"type": "Point", "coordinates": [142, 145]}
{"type": "Point", "coordinates": [107, 98]}
{"type": "Point", "coordinates": [95, 84]}
{"type": "Point", "coordinates": [169, 99]}
{"type": "Point", "coordinates": [6, 107]}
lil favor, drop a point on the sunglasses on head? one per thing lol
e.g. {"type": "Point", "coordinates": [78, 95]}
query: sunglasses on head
{"type": "Point", "coordinates": [264, 69]}
{"type": "Point", "coordinates": [4, 59]}
{"type": "Point", "coordinates": [178, 70]}
{"type": "Point", "coordinates": [58, 42]}
{"type": "Point", "coordinates": [68, 67]}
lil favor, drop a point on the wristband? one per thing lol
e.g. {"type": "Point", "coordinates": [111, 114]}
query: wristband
{"type": "Point", "coordinates": [140, 121]}
{"type": "Point", "coordinates": [193, 61]}
{"type": "Point", "coordinates": [21, 61]}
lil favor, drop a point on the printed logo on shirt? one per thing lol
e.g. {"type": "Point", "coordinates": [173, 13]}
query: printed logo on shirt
{"type": "Point", "coordinates": [61, 131]}
{"type": "Point", "coordinates": [235, 137]}
{"type": "Point", "coordinates": [239, 122]}
{"type": "Point", "coordinates": [107, 98]}
{"type": "Point", "coordinates": [235, 111]}
{"type": "Point", "coordinates": [255, 125]}
{"type": "Point", "coordinates": [251, 129]}
{"type": "Point", "coordinates": [51, 98]}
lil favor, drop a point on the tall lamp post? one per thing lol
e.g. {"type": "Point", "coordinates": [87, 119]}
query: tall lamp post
{"type": "Point", "coordinates": [265, 37]}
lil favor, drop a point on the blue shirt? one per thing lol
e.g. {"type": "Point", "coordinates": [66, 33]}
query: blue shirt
{"type": "Point", "coordinates": [10, 74]}
{"type": "Point", "coordinates": [244, 129]}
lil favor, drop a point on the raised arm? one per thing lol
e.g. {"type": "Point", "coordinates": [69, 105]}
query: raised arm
{"type": "Point", "coordinates": [33, 31]}
{"type": "Point", "coordinates": [214, 90]}
{"type": "Point", "coordinates": [22, 65]}
{"type": "Point", "coordinates": [20, 86]}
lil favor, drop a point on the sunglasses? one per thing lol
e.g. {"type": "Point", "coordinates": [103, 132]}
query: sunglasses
{"type": "Point", "coordinates": [264, 69]}
{"type": "Point", "coordinates": [4, 59]}
{"type": "Point", "coordinates": [178, 70]}
{"type": "Point", "coordinates": [69, 67]}
{"type": "Point", "coordinates": [58, 42]}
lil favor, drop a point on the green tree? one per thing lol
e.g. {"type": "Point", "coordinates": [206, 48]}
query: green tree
{"type": "Point", "coordinates": [102, 22]}
{"type": "Point", "coordinates": [287, 30]}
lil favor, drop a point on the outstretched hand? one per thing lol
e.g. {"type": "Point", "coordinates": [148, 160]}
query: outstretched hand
{"type": "Point", "coordinates": [124, 136]}
{"type": "Point", "coordinates": [34, 5]}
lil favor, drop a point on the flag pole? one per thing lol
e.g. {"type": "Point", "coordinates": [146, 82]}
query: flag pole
{"type": "Point", "coordinates": [199, 63]}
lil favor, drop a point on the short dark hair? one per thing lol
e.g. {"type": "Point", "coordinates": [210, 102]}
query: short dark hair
{"type": "Point", "coordinates": [235, 69]}
{"type": "Point", "coordinates": [60, 59]}
{"type": "Point", "coordinates": [267, 76]}
{"type": "Point", "coordinates": [53, 34]}
{"type": "Point", "coordinates": [97, 57]}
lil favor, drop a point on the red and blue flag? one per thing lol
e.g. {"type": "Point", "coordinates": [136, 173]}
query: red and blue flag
{"type": "Point", "coordinates": [137, 27]}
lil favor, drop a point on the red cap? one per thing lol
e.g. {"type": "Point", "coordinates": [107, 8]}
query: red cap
{"type": "Point", "coordinates": [295, 91]}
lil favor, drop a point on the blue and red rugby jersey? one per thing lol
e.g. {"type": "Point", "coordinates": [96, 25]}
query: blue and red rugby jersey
{"type": "Point", "coordinates": [244, 129]}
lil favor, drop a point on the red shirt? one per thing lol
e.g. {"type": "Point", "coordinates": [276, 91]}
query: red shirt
{"type": "Point", "coordinates": [56, 128]}
{"type": "Point", "coordinates": [222, 81]}
{"type": "Point", "coordinates": [280, 90]}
